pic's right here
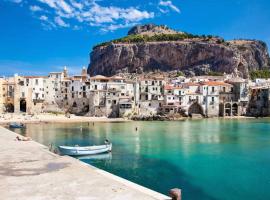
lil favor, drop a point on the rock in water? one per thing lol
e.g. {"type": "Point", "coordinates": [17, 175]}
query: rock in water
{"type": "Point", "coordinates": [151, 48]}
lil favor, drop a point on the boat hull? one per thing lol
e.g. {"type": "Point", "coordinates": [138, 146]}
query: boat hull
{"type": "Point", "coordinates": [16, 126]}
{"type": "Point", "coordinates": [82, 151]}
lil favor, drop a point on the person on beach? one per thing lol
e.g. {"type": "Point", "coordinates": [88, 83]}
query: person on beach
{"type": "Point", "coordinates": [22, 139]}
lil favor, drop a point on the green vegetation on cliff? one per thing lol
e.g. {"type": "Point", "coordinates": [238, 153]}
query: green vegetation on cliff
{"type": "Point", "coordinates": [154, 38]}
{"type": "Point", "coordinates": [263, 73]}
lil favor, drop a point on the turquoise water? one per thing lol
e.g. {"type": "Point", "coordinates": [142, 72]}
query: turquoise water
{"type": "Point", "coordinates": [207, 159]}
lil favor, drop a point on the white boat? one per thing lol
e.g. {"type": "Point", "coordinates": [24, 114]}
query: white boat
{"type": "Point", "coordinates": [87, 150]}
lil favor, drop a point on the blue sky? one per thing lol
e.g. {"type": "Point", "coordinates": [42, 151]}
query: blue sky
{"type": "Point", "coordinates": [39, 36]}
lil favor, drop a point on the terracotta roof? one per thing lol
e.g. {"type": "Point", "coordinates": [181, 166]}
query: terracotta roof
{"type": "Point", "coordinates": [215, 83]}
{"type": "Point", "coordinates": [168, 87]}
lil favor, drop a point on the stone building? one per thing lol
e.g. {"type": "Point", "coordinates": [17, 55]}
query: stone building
{"type": "Point", "coordinates": [151, 96]}
{"type": "Point", "coordinates": [241, 96]}
{"type": "Point", "coordinates": [259, 104]}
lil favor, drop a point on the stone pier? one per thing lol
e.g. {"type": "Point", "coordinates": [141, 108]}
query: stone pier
{"type": "Point", "coordinates": [29, 171]}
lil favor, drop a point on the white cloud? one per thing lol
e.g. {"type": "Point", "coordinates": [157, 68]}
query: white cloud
{"type": "Point", "coordinates": [76, 4]}
{"type": "Point", "coordinates": [64, 6]}
{"type": "Point", "coordinates": [50, 3]}
{"type": "Point", "coordinates": [168, 4]}
{"type": "Point", "coordinates": [35, 8]}
{"type": "Point", "coordinates": [43, 18]}
{"type": "Point", "coordinates": [60, 22]}
{"type": "Point", "coordinates": [81, 13]}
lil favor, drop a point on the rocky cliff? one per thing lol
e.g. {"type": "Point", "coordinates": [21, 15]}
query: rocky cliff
{"type": "Point", "coordinates": [151, 48]}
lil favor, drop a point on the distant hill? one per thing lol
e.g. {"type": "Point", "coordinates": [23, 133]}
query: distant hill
{"type": "Point", "coordinates": [149, 48]}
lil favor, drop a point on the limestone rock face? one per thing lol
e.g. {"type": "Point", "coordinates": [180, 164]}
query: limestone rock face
{"type": "Point", "coordinates": [150, 29]}
{"type": "Point", "coordinates": [195, 56]}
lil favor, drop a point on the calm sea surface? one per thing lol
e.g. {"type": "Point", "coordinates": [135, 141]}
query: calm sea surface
{"type": "Point", "coordinates": [207, 159]}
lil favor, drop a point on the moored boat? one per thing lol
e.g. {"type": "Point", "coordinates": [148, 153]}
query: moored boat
{"type": "Point", "coordinates": [86, 150]}
{"type": "Point", "coordinates": [16, 125]}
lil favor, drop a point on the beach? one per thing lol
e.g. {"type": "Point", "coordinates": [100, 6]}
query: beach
{"type": "Point", "coordinates": [53, 118]}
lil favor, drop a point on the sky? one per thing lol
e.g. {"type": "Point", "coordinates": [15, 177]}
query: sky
{"type": "Point", "coordinates": [40, 36]}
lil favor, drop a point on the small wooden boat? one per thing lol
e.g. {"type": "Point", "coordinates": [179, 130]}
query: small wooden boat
{"type": "Point", "coordinates": [16, 125]}
{"type": "Point", "coordinates": [87, 150]}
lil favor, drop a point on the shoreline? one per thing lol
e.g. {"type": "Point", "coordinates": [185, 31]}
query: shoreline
{"type": "Point", "coordinates": [52, 118]}
{"type": "Point", "coordinates": [61, 118]}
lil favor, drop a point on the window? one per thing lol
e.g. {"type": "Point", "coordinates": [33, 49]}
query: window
{"type": "Point", "coordinates": [213, 89]}
{"type": "Point", "coordinates": [224, 89]}
{"type": "Point", "coordinates": [213, 99]}
{"type": "Point", "coordinates": [36, 81]}
{"type": "Point", "coordinates": [149, 104]}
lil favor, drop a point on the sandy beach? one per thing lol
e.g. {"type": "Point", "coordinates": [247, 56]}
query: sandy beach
{"type": "Point", "coordinates": [53, 118]}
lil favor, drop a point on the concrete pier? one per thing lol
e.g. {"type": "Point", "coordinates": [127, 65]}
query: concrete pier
{"type": "Point", "coordinates": [29, 171]}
